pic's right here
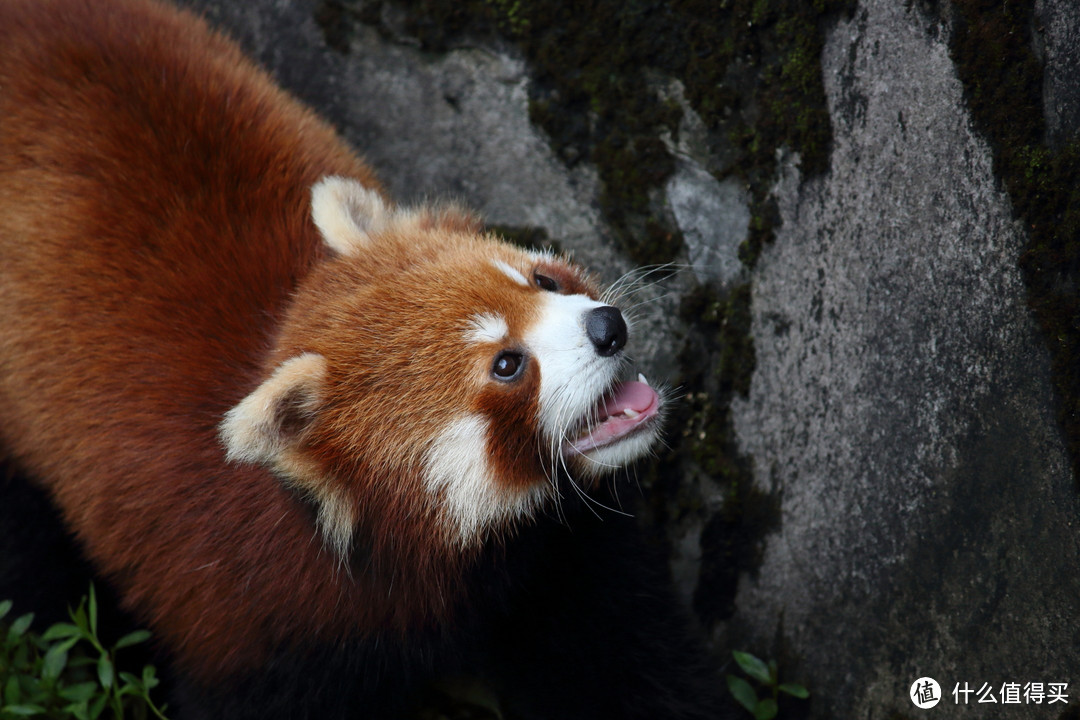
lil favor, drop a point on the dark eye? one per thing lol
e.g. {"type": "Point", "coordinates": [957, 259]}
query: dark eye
{"type": "Point", "coordinates": [545, 283]}
{"type": "Point", "coordinates": [508, 365]}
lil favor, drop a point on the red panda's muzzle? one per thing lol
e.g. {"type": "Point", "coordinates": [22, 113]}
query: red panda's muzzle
{"type": "Point", "coordinates": [627, 409]}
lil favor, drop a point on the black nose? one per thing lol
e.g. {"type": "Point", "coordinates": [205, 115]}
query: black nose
{"type": "Point", "coordinates": [606, 330]}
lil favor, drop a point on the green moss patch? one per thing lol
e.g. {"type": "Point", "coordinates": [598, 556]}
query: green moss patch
{"type": "Point", "coordinates": [750, 69]}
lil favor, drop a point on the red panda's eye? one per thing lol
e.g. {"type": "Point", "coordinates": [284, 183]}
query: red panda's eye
{"type": "Point", "coordinates": [508, 365]}
{"type": "Point", "coordinates": [545, 283]}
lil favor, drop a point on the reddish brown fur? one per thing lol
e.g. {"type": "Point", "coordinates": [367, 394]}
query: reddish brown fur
{"type": "Point", "coordinates": [154, 223]}
{"type": "Point", "coordinates": [154, 217]}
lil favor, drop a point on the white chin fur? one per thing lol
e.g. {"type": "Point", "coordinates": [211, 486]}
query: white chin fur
{"type": "Point", "coordinates": [608, 458]}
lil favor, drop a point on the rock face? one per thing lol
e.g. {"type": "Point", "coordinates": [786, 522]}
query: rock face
{"type": "Point", "coordinates": [901, 409]}
{"type": "Point", "coordinates": [902, 406]}
{"type": "Point", "coordinates": [1061, 37]}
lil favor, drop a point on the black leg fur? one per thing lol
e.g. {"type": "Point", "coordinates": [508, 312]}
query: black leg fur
{"type": "Point", "coordinates": [594, 631]}
{"type": "Point", "coordinates": [41, 570]}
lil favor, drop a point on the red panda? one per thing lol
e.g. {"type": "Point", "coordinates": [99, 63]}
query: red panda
{"type": "Point", "coordinates": [301, 430]}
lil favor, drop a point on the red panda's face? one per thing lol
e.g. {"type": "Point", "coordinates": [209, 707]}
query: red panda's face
{"type": "Point", "coordinates": [429, 367]}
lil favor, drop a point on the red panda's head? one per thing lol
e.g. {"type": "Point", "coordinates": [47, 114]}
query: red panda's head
{"type": "Point", "coordinates": [426, 370]}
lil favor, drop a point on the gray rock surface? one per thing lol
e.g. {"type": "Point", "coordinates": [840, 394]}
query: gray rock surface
{"type": "Point", "coordinates": [901, 407]}
{"type": "Point", "coordinates": [713, 217]}
{"type": "Point", "coordinates": [1060, 35]}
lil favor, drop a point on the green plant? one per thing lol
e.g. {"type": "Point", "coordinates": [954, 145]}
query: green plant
{"type": "Point", "coordinates": [768, 679]}
{"type": "Point", "coordinates": [67, 672]}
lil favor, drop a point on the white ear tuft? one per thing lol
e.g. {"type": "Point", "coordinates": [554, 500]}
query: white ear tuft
{"type": "Point", "coordinates": [337, 519]}
{"type": "Point", "coordinates": [271, 419]}
{"type": "Point", "coordinates": [347, 213]}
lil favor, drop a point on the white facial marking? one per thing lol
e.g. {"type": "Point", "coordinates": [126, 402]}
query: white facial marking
{"type": "Point", "coordinates": [572, 374]}
{"type": "Point", "coordinates": [458, 474]}
{"type": "Point", "coordinates": [511, 272]}
{"type": "Point", "coordinates": [487, 328]}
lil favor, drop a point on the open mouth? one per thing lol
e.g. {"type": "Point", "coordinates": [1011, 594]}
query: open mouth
{"type": "Point", "coordinates": [625, 410]}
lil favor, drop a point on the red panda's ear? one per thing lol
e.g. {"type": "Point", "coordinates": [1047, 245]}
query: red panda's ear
{"type": "Point", "coordinates": [348, 214]}
{"type": "Point", "coordinates": [273, 417]}
{"type": "Point", "coordinates": [267, 426]}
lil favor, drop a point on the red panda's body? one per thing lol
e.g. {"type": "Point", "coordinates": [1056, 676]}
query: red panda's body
{"type": "Point", "coordinates": [137, 302]}
{"type": "Point", "coordinates": [276, 419]}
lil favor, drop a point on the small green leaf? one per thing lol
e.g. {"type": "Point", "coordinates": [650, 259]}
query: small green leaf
{"type": "Point", "coordinates": [60, 631]}
{"type": "Point", "coordinates": [5, 608]}
{"type": "Point", "coordinates": [78, 616]}
{"type": "Point", "coordinates": [99, 706]}
{"type": "Point", "coordinates": [20, 626]}
{"type": "Point", "coordinates": [149, 678]}
{"type": "Point", "coordinates": [133, 639]}
{"type": "Point", "coordinates": [80, 660]}
{"type": "Point", "coordinates": [81, 710]}
{"type": "Point", "coordinates": [742, 692]}
{"type": "Point", "coordinates": [796, 690]}
{"type": "Point", "coordinates": [93, 611]}
{"type": "Point", "coordinates": [105, 672]}
{"type": "Point", "coordinates": [12, 693]}
{"type": "Point", "coordinates": [23, 710]}
{"type": "Point", "coordinates": [774, 672]}
{"type": "Point", "coordinates": [766, 710]}
{"type": "Point", "coordinates": [31, 686]}
{"type": "Point", "coordinates": [752, 666]}
{"type": "Point", "coordinates": [80, 692]}
{"type": "Point", "coordinates": [56, 659]}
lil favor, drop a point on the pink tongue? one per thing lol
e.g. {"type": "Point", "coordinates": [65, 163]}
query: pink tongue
{"type": "Point", "coordinates": [636, 396]}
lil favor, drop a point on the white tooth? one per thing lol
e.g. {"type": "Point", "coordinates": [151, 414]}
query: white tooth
{"type": "Point", "coordinates": [641, 378]}
{"type": "Point", "coordinates": [631, 413]}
